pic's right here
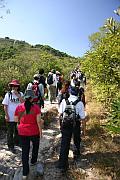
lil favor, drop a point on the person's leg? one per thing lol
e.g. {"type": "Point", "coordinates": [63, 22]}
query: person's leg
{"type": "Point", "coordinates": [10, 131]}
{"type": "Point", "coordinates": [16, 136]}
{"type": "Point", "coordinates": [65, 146]}
{"type": "Point", "coordinates": [35, 141]}
{"type": "Point", "coordinates": [50, 93]}
{"type": "Point", "coordinates": [54, 93]}
{"type": "Point", "coordinates": [25, 142]}
{"type": "Point", "coordinates": [76, 139]}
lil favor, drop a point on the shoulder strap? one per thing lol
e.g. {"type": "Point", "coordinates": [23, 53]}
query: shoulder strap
{"type": "Point", "coordinates": [10, 95]}
{"type": "Point", "coordinates": [75, 102]}
{"type": "Point", "coordinates": [67, 102]}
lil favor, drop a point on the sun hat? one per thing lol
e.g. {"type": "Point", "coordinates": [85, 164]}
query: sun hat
{"type": "Point", "coordinates": [29, 93]}
{"type": "Point", "coordinates": [14, 82]}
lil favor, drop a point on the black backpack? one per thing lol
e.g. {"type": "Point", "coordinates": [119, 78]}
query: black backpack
{"type": "Point", "coordinates": [69, 116]}
{"type": "Point", "coordinates": [50, 79]}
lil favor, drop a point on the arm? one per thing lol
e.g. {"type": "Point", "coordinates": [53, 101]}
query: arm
{"type": "Point", "coordinates": [83, 124]}
{"type": "Point", "coordinates": [6, 113]}
{"type": "Point", "coordinates": [16, 118]}
{"type": "Point", "coordinates": [40, 123]}
{"type": "Point", "coordinates": [81, 112]}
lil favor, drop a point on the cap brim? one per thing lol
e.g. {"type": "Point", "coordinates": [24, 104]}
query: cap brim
{"type": "Point", "coordinates": [14, 84]}
{"type": "Point", "coordinates": [33, 97]}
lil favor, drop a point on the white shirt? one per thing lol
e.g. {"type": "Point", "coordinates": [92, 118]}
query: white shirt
{"type": "Point", "coordinates": [12, 104]}
{"type": "Point", "coordinates": [54, 80]}
{"type": "Point", "coordinates": [79, 106]}
{"type": "Point", "coordinates": [72, 83]}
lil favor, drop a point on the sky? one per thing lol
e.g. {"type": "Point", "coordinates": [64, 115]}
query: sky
{"type": "Point", "coordinates": [62, 24]}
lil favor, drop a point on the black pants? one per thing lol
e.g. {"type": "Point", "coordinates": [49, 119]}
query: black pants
{"type": "Point", "coordinates": [65, 143]}
{"type": "Point", "coordinates": [12, 134]}
{"type": "Point", "coordinates": [25, 142]}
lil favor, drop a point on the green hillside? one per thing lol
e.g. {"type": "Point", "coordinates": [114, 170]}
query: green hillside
{"type": "Point", "coordinates": [20, 60]}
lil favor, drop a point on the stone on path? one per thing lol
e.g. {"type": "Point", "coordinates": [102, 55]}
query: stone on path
{"type": "Point", "coordinates": [35, 171]}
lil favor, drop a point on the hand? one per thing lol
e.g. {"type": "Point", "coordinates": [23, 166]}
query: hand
{"type": "Point", "coordinates": [7, 119]}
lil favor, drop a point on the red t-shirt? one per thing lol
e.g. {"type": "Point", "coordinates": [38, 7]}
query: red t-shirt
{"type": "Point", "coordinates": [28, 122]}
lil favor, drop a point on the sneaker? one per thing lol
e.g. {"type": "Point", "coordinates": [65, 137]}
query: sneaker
{"type": "Point", "coordinates": [24, 177]}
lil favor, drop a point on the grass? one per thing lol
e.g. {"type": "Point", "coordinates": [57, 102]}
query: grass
{"type": "Point", "coordinates": [103, 154]}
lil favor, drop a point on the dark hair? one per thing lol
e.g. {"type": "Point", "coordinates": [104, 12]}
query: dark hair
{"type": "Point", "coordinates": [28, 105]}
{"type": "Point", "coordinates": [41, 71]}
{"type": "Point", "coordinates": [53, 71]}
{"type": "Point", "coordinates": [77, 83]}
{"type": "Point", "coordinates": [65, 86]}
{"type": "Point", "coordinates": [74, 90]}
{"type": "Point", "coordinates": [36, 78]}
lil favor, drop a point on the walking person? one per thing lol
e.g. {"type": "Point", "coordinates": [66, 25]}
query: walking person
{"type": "Point", "coordinates": [64, 92]}
{"type": "Point", "coordinates": [52, 85]}
{"type": "Point", "coordinates": [11, 100]}
{"type": "Point", "coordinates": [28, 115]}
{"type": "Point", "coordinates": [42, 79]}
{"type": "Point", "coordinates": [69, 128]}
{"type": "Point", "coordinates": [37, 86]}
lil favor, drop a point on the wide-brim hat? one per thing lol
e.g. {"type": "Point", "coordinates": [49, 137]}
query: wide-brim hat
{"type": "Point", "coordinates": [29, 93]}
{"type": "Point", "coordinates": [14, 82]}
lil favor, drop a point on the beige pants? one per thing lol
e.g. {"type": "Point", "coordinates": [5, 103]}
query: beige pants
{"type": "Point", "coordinates": [52, 93]}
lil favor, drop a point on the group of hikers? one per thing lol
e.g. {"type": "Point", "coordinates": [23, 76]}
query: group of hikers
{"type": "Point", "coordinates": [23, 114]}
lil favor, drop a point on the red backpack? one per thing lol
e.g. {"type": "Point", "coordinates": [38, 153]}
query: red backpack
{"type": "Point", "coordinates": [35, 88]}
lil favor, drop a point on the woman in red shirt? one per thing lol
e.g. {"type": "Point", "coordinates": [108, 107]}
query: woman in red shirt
{"type": "Point", "coordinates": [28, 116]}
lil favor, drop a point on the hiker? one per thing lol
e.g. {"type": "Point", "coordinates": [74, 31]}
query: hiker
{"type": "Point", "coordinates": [64, 92]}
{"type": "Point", "coordinates": [28, 116]}
{"type": "Point", "coordinates": [81, 93]}
{"type": "Point", "coordinates": [73, 80]}
{"type": "Point", "coordinates": [12, 98]}
{"type": "Point", "coordinates": [81, 96]}
{"type": "Point", "coordinates": [69, 127]}
{"type": "Point", "coordinates": [59, 82]}
{"type": "Point", "coordinates": [52, 85]}
{"type": "Point", "coordinates": [38, 88]}
{"type": "Point", "coordinates": [42, 79]}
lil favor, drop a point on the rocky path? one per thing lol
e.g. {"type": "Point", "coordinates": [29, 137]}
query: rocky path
{"type": "Point", "coordinates": [10, 164]}
{"type": "Point", "coordinates": [84, 169]}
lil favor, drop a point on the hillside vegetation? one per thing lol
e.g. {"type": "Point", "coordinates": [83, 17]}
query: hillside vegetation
{"type": "Point", "coordinates": [101, 65]}
{"type": "Point", "coordinates": [21, 60]}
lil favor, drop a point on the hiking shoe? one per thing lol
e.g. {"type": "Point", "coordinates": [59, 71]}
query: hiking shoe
{"type": "Point", "coordinates": [24, 177]}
